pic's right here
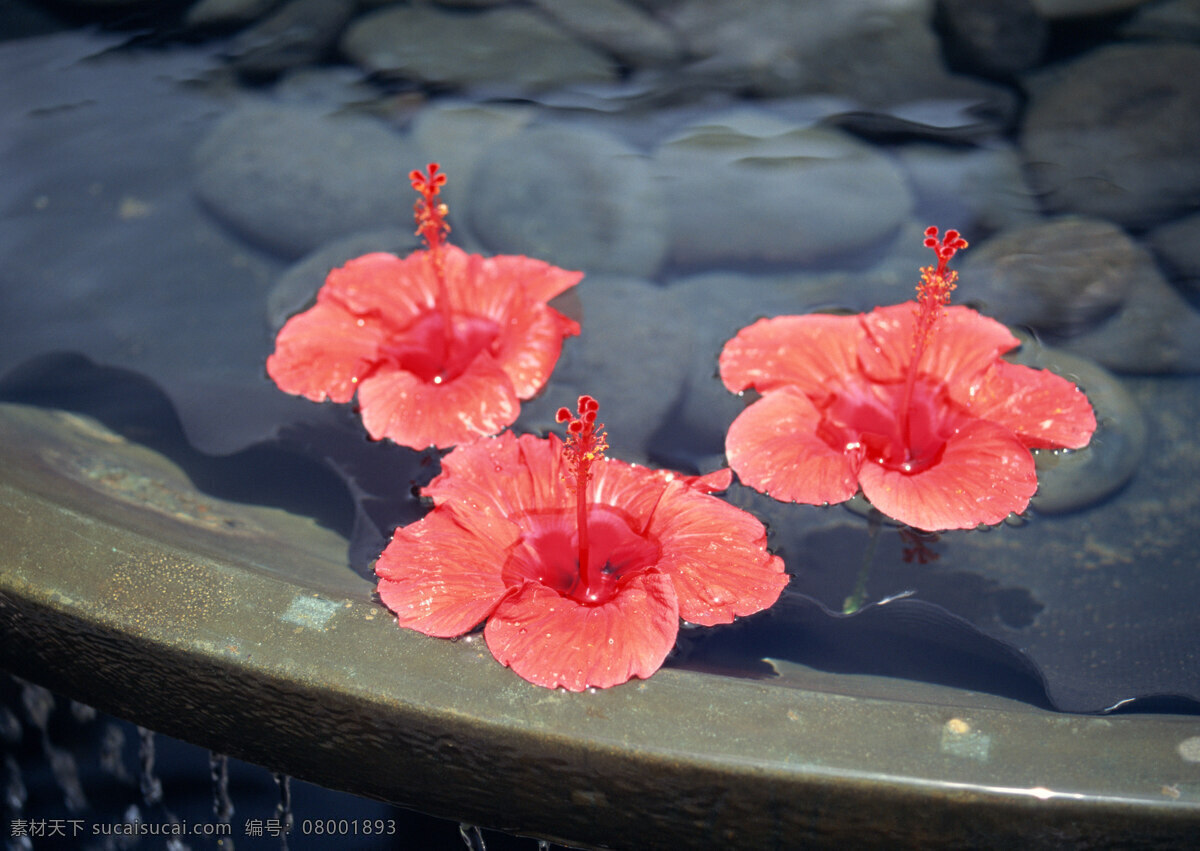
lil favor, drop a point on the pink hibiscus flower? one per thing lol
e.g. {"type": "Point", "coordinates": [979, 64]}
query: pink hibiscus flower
{"type": "Point", "coordinates": [913, 403]}
{"type": "Point", "coordinates": [440, 345]}
{"type": "Point", "coordinates": [581, 565]}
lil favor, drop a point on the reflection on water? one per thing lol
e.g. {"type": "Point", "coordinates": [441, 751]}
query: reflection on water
{"type": "Point", "coordinates": [168, 198]}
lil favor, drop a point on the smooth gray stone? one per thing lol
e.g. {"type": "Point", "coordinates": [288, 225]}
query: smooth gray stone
{"type": "Point", "coordinates": [632, 356]}
{"type": "Point", "coordinates": [1174, 20]}
{"type": "Point", "coordinates": [1177, 245]}
{"type": "Point", "coordinates": [293, 178]}
{"type": "Point", "coordinates": [828, 46]}
{"type": "Point", "coordinates": [1116, 133]}
{"type": "Point", "coordinates": [994, 37]}
{"type": "Point", "coordinates": [1092, 289]}
{"type": "Point", "coordinates": [1083, 8]}
{"type": "Point", "coordinates": [300, 33]}
{"type": "Point", "coordinates": [623, 29]}
{"type": "Point", "coordinates": [506, 48]}
{"type": "Point", "coordinates": [746, 187]}
{"type": "Point", "coordinates": [574, 197]}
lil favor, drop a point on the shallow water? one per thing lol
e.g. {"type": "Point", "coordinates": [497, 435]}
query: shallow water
{"type": "Point", "coordinates": [172, 193]}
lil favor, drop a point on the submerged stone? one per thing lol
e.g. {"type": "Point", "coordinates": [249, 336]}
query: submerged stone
{"type": "Point", "coordinates": [504, 48]}
{"type": "Point", "coordinates": [293, 178]}
{"type": "Point", "coordinates": [1116, 133]}
{"type": "Point", "coordinates": [574, 197]}
{"type": "Point", "coordinates": [744, 186]}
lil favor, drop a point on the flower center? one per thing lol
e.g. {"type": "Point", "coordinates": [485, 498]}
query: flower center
{"type": "Point", "coordinates": [427, 351]}
{"type": "Point", "coordinates": [548, 553]}
{"type": "Point", "coordinates": [867, 423]}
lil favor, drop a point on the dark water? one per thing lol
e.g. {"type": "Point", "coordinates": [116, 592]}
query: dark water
{"type": "Point", "coordinates": [173, 188]}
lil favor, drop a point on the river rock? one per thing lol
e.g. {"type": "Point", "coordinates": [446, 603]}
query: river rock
{"type": "Point", "coordinates": [300, 33]}
{"type": "Point", "coordinates": [1173, 20]}
{"type": "Point", "coordinates": [219, 13]}
{"type": "Point", "coordinates": [747, 187]}
{"type": "Point", "coordinates": [827, 46]}
{"type": "Point", "coordinates": [622, 29]}
{"type": "Point", "coordinates": [995, 38]}
{"type": "Point", "coordinates": [1083, 8]}
{"type": "Point", "coordinates": [1116, 133]}
{"type": "Point", "coordinates": [976, 189]}
{"type": "Point", "coordinates": [574, 197]}
{"type": "Point", "coordinates": [626, 322]}
{"type": "Point", "coordinates": [1091, 290]}
{"type": "Point", "coordinates": [294, 178]}
{"type": "Point", "coordinates": [1177, 245]}
{"type": "Point", "coordinates": [507, 48]}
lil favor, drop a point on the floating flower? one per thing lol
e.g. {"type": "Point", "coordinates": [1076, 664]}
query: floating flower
{"type": "Point", "coordinates": [440, 345]}
{"type": "Point", "coordinates": [581, 565]}
{"type": "Point", "coordinates": [913, 403]}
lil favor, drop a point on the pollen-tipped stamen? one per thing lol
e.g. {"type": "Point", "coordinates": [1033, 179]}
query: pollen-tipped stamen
{"type": "Point", "coordinates": [586, 442]}
{"type": "Point", "coordinates": [933, 294]}
{"type": "Point", "coordinates": [433, 228]}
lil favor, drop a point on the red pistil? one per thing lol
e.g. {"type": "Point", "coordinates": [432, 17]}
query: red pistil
{"type": "Point", "coordinates": [933, 293]}
{"type": "Point", "coordinates": [586, 442]}
{"type": "Point", "coordinates": [432, 227]}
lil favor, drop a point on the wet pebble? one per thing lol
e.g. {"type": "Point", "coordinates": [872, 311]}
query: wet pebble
{"type": "Point", "coordinates": [218, 13]}
{"type": "Point", "coordinates": [1116, 133]}
{"type": "Point", "coordinates": [293, 178]}
{"type": "Point", "coordinates": [1091, 288]}
{"type": "Point", "coordinates": [299, 33]}
{"type": "Point", "coordinates": [574, 197]}
{"type": "Point", "coordinates": [1177, 245]}
{"type": "Point", "coordinates": [625, 321]}
{"type": "Point", "coordinates": [623, 29]}
{"type": "Point", "coordinates": [1083, 8]}
{"type": "Point", "coordinates": [995, 38]}
{"type": "Point", "coordinates": [744, 186]}
{"type": "Point", "coordinates": [1174, 20]}
{"type": "Point", "coordinates": [506, 48]}
{"type": "Point", "coordinates": [1056, 277]}
{"type": "Point", "coordinates": [827, 46]}
{"type": "Point", "coordinates": [978, 189]}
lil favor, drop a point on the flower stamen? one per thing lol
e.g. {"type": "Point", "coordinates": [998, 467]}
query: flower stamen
{"type": "Point", "coordinates": [432, 227]}
{"type": "Point", "coordinates": [586, 442]}
{"type": "Point", "coordinates": [933, 294]}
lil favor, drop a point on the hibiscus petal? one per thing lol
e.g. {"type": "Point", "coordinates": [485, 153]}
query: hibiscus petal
{"type": "Point", "coordinates": [716, 555]}
{"type": "Point", "coordinates": [505, 476]}
{"type": "Point", "coordinates": [963, 344]}
{"type": "Point", "coordinates": [441, 578]}
{"type": "Point", "coordinates": [1046, 411]}
{"type": "Point", "coordinates": [984, 474]}
{"type": "Point", "coordinates": [495, 278]}
{"type": "Point", "coordinates": [773, 447]}
{"type": "Point", "coordinates": [553, 641]}
{"type": "Point", "coordinates": [400, 406]}
{"type": "Point", "coordinates": [529, 346]}
{"type": "Point", "coordinates": [399, 289]}
{"type": "Point", "coordinates": [807, 352]}
{"type": "Point", "coordinates": [323, 353]}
